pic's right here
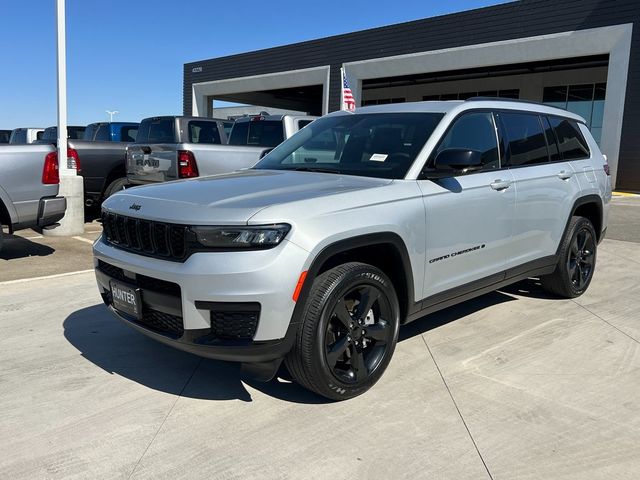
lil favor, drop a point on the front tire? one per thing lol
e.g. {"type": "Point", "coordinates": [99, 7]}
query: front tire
{"type": "Point", "coordinates": [576, 260]}
{"type": "Point", "coordinates": [348, 333]}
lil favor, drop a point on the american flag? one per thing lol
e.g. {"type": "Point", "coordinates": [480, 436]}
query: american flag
{"type": "Point", "coordinates": [348, 102]}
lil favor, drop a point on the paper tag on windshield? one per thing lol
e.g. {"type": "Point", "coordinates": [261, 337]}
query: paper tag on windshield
{"type": "Point", "coordinates": [378, 157]}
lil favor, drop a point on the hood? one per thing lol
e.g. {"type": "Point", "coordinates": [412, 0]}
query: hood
{"type": "Point", "coordinates": [230, 198]}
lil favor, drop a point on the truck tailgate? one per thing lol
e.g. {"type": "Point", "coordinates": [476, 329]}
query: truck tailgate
{"type": "Point", "coordinates": [152, 163]}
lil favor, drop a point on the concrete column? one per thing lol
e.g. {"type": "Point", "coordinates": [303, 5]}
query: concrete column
{"type": "Point", "coordinates": [71, 185]}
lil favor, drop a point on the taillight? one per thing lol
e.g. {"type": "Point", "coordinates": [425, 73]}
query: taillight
{"type": "Point", "coordinates": [187, 167]}
{"type": "Point", "coordinates": [73, 160]}
{"type": "Point", "coordinates": [50, 173]}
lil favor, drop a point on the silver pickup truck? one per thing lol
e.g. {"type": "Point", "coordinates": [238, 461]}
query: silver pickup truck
{"type": "Point", "coordinates": [170, 148]}
{"type": "Point", "coordinates": [29, 182]}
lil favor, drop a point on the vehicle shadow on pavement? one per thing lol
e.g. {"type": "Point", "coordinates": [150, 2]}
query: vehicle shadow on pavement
{"type": "Point", "coordinates": [451, 314]}
{"type": "Point", "coordinates": [531, 287]}
{"type": "Point", "coordinates": [117, 349]}
{"type": "Point", "coordinates": [18, 247]}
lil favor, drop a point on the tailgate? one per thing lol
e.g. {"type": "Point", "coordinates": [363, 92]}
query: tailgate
{"type": "Point", "coordinates": [152, 163]}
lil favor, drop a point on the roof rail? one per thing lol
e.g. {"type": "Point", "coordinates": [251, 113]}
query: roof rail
{"type": "Point", "coordinates": [503, 99]}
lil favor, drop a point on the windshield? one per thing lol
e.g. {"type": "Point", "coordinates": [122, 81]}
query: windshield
{"type": "Point", "coordinates": [382, 145]}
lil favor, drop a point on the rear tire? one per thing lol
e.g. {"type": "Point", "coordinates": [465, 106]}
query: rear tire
{"type": "Point", "coordinates": [348, 333]}
{"type": "Point", "coordinates": [117, 185]}
{"type": "Point", "coordinates": [576, 260]}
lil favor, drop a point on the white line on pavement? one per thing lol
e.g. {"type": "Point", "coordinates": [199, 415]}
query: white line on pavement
{"type": "Point", "coordinates": [84, 240]}
{"type": "Point", "coordinates": [24, 280]}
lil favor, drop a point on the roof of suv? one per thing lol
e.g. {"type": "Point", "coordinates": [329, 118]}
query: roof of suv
{"type": "Point", "coordinates": [457, 106]}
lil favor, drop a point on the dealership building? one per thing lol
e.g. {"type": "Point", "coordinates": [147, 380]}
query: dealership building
{"type": "Point", "coordinates": [582, 55]}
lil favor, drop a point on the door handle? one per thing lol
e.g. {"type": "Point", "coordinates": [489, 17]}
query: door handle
{"type": "Point", "coordinates": [500, 184]}
{"type": "Point", "coordinates": [564, 175]}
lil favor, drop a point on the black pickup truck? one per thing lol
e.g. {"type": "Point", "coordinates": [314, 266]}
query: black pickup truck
{"type": "Point", "coordinates": [102, 162]}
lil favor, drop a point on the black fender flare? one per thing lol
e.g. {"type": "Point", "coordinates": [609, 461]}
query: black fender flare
{"type": "Point", "coordinates": [347, 244]}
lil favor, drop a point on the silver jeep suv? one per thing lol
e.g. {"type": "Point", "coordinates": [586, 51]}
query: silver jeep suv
{"type": "Point", "coordinates": [357, 224]}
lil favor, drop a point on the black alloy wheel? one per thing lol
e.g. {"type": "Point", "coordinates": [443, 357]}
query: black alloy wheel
{"type": "Point", "coordinates": [581, 258]}
{"type": "Point", "coordinates": [348, 331]}
{"type": "Point", "coordinates": [576, 260]}
{"type": "Point", "coordinates": [358, 334]}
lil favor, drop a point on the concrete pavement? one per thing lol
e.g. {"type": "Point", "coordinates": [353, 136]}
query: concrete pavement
{"type": "Point", "coordinates": [514, 384]}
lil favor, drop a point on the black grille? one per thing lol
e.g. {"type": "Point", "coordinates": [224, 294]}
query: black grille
{"type": "Point", "coordinates": [234, 325]}
{"type": "Point", "coordinates": [162, 322]}
{"type": "Point", "coordinates": [156, 239]}
{"type": "Point", "coordinates": [152, 319]}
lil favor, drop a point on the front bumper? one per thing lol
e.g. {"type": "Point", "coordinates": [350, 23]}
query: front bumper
{"type": "Point", "coordinates": [50, 210]}
{"type": "Point", "coordinates": [234, 306]}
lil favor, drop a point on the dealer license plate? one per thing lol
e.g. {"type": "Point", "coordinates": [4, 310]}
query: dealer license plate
{"type": "Point", "coordinates": [126, 299]}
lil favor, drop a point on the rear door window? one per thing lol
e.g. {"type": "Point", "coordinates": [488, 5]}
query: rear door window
{"type": "Point", "coordinates": [572, 144]}
{"type": "Point", "coordinates": [204, 132]}
{"type": "Point", "coordinates": [525, 139]}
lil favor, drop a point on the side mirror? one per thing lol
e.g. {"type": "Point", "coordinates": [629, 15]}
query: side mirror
{"type": "Point", "coordinates": [458, 159]}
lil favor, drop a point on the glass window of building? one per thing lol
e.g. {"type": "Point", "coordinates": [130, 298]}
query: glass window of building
{"type": "Point", "coordinates": [586, 100]}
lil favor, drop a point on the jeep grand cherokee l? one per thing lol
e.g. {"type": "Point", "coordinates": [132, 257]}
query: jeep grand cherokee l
{"type": "Point", "coordinates": [357, 224]}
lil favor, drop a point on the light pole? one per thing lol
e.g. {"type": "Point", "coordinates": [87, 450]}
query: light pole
{"type": "Point", "coordinates": [71, 185]}
{"type": "Point", "coordinates": [111, 114]}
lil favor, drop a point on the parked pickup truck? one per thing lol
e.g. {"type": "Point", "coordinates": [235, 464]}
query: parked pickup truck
{"type": "Point", "coordinates": [111, 132]}
{"type": "Point", "coordinates": [22, 136]}
{"type": "Point", "coordinates": [50, 134]}
{"type": "Point", "coordinates": [102, 165]}
{"type": "Point", "coordinates": [29, 187]}
{"type": "Point", "coordinates": [5, 135]}
{"type": "Point", "coordinates": [169, 148]}
{"type": "Point", "coordinates": [266, 130]}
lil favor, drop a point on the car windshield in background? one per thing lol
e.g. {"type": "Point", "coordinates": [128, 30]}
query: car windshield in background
{"type": "Point", "coordinates": [382, 145]}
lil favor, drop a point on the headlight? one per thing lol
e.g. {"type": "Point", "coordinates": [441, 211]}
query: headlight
{"type": "Point", "coordinates": [248, 237]}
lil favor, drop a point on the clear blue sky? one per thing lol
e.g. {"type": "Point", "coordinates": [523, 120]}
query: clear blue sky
{"type": "Point", "coordinates": [127, 55]}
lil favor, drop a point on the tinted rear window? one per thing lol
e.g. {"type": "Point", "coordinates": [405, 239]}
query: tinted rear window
{"type": "Point", "coordinates": [262, 133]}
{"type": "Point", "coordinates": [526, 143]}
{"type": "Point", "coordinates": [4, 136]}
{"type": "Point", "coordinates": [203, 132]}
{"type": "Point", "coordinates": [19, 136]}
{"type": "Point", "coordinates": [89, 132]}
{"type": "Point", "coordinates": [50, 134]}
{"type": "Point", "coordinates": [572, 144]}
{"type": "Point", "coordinates": [129, 133]}
{"type": "Point", "coordinates": [103, 134]}
{"type": "Point", "coordinates": [75, 133]}
{"type": "Point", "coordinates": [157, 130]}
{"type": "Point", "coordinates": [239, 133]}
